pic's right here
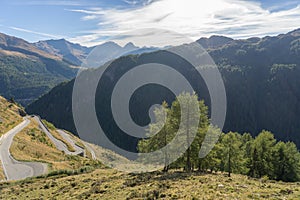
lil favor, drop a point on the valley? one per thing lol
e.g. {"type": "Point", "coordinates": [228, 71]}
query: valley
{"type": "Point", "coordinates": [260, 77]}
{"type": "Point", "coordinates": [255, 156]}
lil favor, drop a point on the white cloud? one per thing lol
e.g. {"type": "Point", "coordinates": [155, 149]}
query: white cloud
{"type": "Point", "coordinates": [194, 18]}
{"type": "Point", "coordinates": [137, 2]}
{"type": "Point", "coordinates": [89, 17]}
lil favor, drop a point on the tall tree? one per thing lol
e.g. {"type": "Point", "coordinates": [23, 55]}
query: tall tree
{"type": "Point", "coordinates": [185, 116]}
{"type": "Point", "coordinates": [159, 134]}
{"type": "Point", "coordinates": [232, 152]}
{"type": "Point", "coordinates": [286, 162]}
{"type": "Point", "coordinates": [187, 123]}
{"type": "Point", "coordinates": [261, 155]}
{"type": "Point", "coordinates": [247, 141]}
{"type": "Point", "coordinates": [213, 160]}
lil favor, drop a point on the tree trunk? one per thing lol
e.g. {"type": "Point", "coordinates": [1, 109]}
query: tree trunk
{"type": "Point", "coordinates": [229, 161]}
{"type": "Point", "coordinates": [188, 159]}
{"type": "Point", "coordinates": [166, 167]}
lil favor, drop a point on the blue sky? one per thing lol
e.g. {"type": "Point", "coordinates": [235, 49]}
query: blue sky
{"type": "Point", "coordinates": [91, 22]}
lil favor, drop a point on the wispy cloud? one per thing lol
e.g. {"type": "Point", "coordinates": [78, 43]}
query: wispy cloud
{"type": "Point", "coordinates": [138, 2]}
{"type": "Point", "coordinates": [194, 18]}
{"type": "Point", "coordinates": [89, 17]}
{"type": "Point", "coordinates": [54, 3]}
{"type": "Point", "coordinates": [130, 2]}
{"type": "Point", "coordinates": [36, 33]}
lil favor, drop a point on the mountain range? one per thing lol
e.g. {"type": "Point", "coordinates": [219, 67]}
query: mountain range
{"type": "Point", "coordinates": [261, 77]}
{"type": "Point", "coordinates": [29, 70]}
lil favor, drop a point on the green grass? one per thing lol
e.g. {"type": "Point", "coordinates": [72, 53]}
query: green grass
{"type": "Point", "coordinates": [2, 176]}
{"type": "Point", "coordinates": [110, 184]}
{"type": "Point", "coordinates": [9, 116]}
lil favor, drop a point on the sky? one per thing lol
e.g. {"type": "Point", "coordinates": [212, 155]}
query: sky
{"type": "Point", "coordinates": [92, 22]}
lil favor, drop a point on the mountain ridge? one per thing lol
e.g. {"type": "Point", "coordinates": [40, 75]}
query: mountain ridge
{"type": "Point", "coordinates": [27, 72]}
{"type": "Point", "coordinates": [260, 77]}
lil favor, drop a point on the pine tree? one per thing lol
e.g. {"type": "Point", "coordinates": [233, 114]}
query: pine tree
{"type": "Point", "coordinates": [187, 123]}
{"type": "Point", "coordinates": [185, 119]}
{"type": "Point", "coordinates": [212, 161]}
{"type": "Point", "coordinates": [261, 155]}
{"type": "Point", "coordinates": [232, 152]}
{"type": "Point", "coordinates": [159, 134]}
{"type": "Point", "coordinates": [286, 162]}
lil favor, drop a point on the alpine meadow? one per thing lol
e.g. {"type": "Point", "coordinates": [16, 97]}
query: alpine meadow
{"type": "Point", "coordinates": [150, 99]}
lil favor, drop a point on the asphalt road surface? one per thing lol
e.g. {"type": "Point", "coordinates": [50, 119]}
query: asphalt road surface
{"type": "Point", "coordinates": [59, 144]}
{"type": "Point", "coordinates": [62, 146]}
{"type": "Point", "coordinates": [67, 137]}
{"type": "Point", "coordinates": [91, 150]}
{"type": "Point", "coordinates": [13, 169]}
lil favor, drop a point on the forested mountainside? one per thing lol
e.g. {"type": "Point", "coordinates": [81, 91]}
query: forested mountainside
{"type": "Point", "coordinates": [27, 72]}
{"type": "Point", "coordinates": [261, 77]}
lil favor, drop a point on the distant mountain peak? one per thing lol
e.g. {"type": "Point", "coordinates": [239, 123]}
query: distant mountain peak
{"type": "Point", "coordinates": [295, 33]}
{"type": "Point", "coordinates": [220, 37]}
{"type": "Point", "coordinates": [110, 44]}
{"type": "Point", "coordinates": [70, 52]}
{"type": "Point", "coordinates": [214, 41]}
{"type": "Point", "coordinates": [8, 40]}
{"type": "Point", "coordinates": [56, 40]}
{"type": "Point", "coordinates": [130, 45]}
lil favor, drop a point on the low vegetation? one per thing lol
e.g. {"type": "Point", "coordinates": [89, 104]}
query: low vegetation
{"type": "Point", "coordinates": [2, 176]}
{"type": "Point", "coordinates": [110, 184]}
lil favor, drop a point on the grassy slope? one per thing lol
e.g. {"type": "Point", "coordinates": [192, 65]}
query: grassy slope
{"type": "Point", "coordinates": [32, 144]}
{"type": "Point", "coordinates": [110, 184]}
{"type": "Point", "coordinates": [9, 116]}
{"type": "Point", "coordinates": [2, 176]}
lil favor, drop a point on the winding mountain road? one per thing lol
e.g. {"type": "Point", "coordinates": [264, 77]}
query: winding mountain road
{"type": "Point", "coordinates": [91, 150]}
{"type": "Point", "coordinates": [59, 144]}
{"type": "Point", "coordinates": [17, 170]}
{"type": "Point", "coordinates": [13, 169]}
{"type": "Point", "coordinates": [67, 137]}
